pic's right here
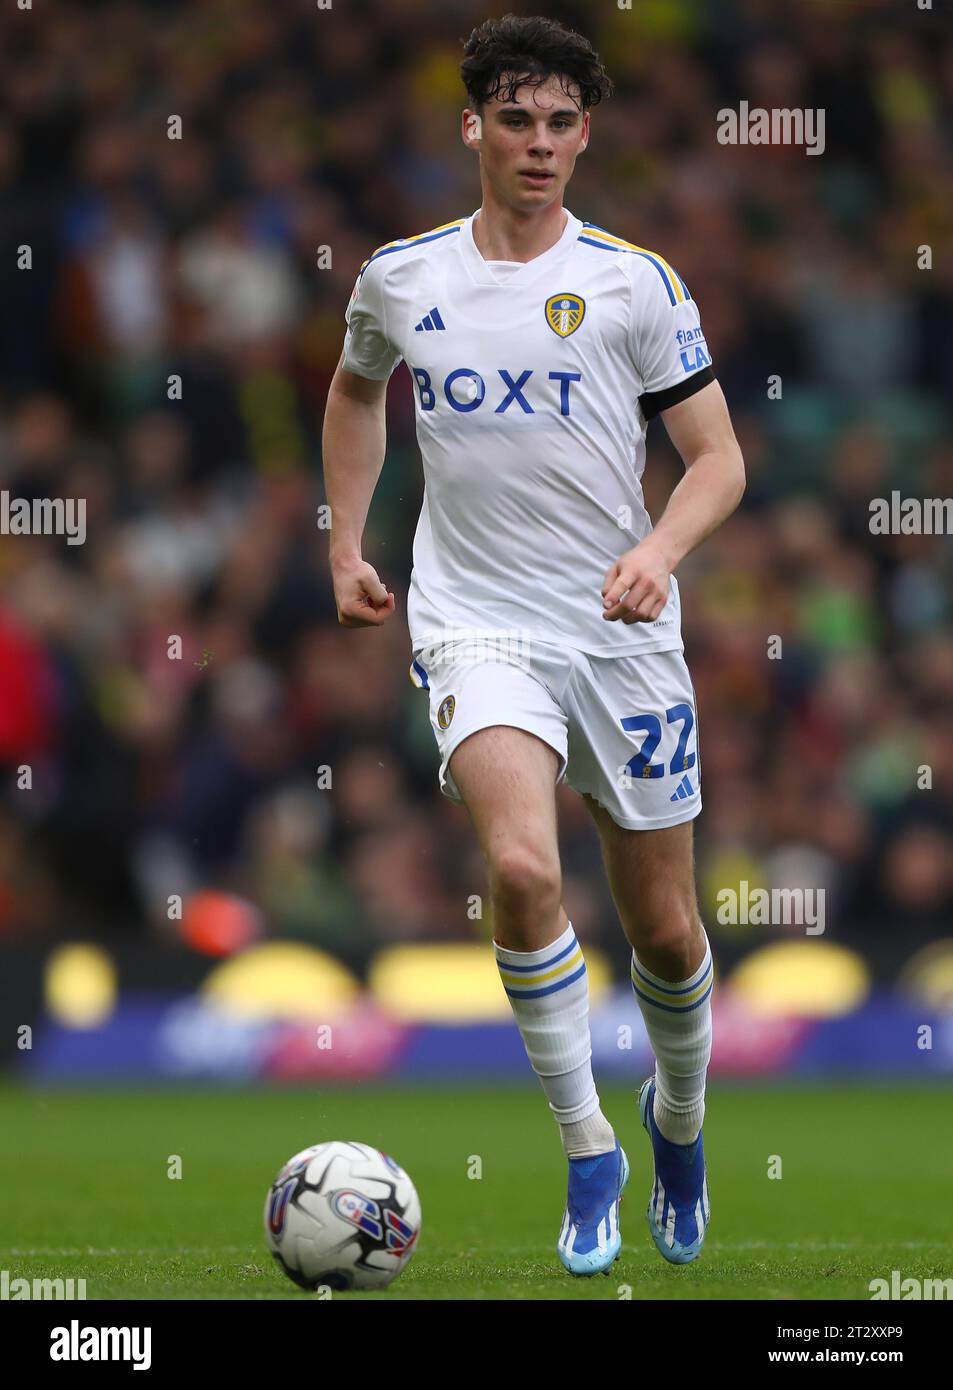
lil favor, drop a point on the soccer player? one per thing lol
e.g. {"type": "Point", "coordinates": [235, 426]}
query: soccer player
{"type": "Point", "coordinates": [543, 609]}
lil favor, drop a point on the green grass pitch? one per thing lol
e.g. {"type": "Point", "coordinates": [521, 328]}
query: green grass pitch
{"type": "Point", "coordinates": [865, 1189]}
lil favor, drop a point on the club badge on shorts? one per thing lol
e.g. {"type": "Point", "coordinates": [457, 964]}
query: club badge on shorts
{"type": "Point", "coordinates": [564, 313]}
{"type": "Point", "coordinates": [445, 712]}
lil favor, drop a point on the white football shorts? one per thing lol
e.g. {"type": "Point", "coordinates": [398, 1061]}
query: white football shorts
{"type": "Point", "coordinates": [625, 728]}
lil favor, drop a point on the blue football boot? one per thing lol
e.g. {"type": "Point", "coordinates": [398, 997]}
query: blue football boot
{"type": "Point", "coordinates": [590, 1238]}
{"type": "Point", "coordinates": [679, 1210]}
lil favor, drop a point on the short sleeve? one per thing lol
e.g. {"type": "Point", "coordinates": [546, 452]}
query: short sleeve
{"type": "Point", "coordinates": [668, 341]}
{"type": "Point", "coordinates": [367, 349]}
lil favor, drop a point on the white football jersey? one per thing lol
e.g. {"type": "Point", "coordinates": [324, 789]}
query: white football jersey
{"type": "Point", "coordinates": [532, 390]}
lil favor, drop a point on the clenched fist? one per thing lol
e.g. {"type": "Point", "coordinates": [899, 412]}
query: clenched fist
{"type": "Point", "coordinates": [642, 576]}
{"type": "Point", "coordinates": [362, 600]}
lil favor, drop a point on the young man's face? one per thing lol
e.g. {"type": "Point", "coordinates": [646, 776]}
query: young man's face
{"type": "Point", "coordinates": [528, 146]}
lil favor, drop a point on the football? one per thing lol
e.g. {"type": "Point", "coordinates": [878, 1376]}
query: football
{"type": "Point", "coordinates": [342, 1215]}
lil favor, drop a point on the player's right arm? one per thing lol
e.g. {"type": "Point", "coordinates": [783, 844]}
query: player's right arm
{"type": "Point", "coordinates": [353, 444]}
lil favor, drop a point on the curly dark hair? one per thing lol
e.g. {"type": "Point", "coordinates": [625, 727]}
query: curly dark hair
{"type": "Point", "coordinates": [503, 54]}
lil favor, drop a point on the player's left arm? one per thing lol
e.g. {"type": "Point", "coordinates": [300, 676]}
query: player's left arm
{"type": "Point", "coordinates": [713, 485]}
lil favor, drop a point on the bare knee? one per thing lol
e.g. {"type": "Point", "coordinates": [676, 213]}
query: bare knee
{"type": "Point", "coordinates": [668, 940]}
{"type": "Point", "coordinates": [525, 880]}
{"type": "Point", "coordinates": [525, 889]}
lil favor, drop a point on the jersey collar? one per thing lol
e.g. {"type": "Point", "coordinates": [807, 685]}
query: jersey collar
{"type": "Point", "coordinates": [481, 273]}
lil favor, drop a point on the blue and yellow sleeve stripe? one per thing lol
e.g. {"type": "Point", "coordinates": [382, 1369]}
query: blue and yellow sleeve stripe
{"type": "Point", "coordinates": [405, 243]}
{"type": "Point", "coordinates": [675, 286]}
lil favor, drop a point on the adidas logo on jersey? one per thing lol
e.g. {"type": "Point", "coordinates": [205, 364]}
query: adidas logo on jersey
{"type": "Point", "coordinates": [683, 789]}
{"type": "Point", "coordinates": [430, 322]}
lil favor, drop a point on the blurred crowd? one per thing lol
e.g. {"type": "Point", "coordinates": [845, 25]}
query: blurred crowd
{"type": "Point", "coordinates": [165, 353]}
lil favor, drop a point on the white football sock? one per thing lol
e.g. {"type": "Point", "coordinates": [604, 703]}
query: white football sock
{"type": "Point", "coordinates": [678, 1021]}
{"type": "Point", "coordinates": [549, 993]}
